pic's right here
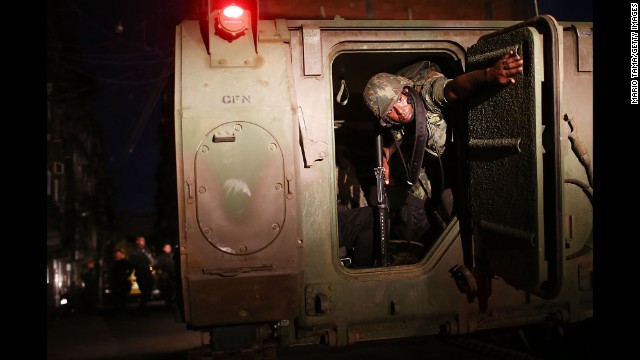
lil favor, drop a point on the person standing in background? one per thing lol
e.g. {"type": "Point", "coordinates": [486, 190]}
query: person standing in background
{"type": "Point", "coordinates": [90, 291]}
{"type": "Point", "coordinates": [166, 273]}
{"type": "Point", "coordinates": [121, 270]}
{"type": "Point", "coordinates": [143, 262]}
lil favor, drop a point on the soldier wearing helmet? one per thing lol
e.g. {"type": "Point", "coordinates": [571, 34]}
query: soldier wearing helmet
{"type": "Point", "coordinates": [397, 100]}
{"type": "Point", "coordinates": [386, 95]}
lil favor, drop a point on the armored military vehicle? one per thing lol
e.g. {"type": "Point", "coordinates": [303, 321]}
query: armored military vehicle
{"type": "Point", "coordinates": [261, 107]}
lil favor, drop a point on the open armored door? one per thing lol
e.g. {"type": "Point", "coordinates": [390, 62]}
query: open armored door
{"type": "Point", "coordinates": [514, 163]}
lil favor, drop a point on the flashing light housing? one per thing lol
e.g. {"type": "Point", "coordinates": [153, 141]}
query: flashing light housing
{"type": "Point", "coordinates": [233, 33]}
{"type": "Point", "coordinates": [232, 22]}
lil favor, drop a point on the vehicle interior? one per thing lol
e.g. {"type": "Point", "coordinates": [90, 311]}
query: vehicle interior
{"type": "Point", "coordinates": [356, 129]}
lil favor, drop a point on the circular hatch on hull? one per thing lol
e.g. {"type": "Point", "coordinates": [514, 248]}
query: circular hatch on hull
{"type": "Point", "coordinates": [240, 188]}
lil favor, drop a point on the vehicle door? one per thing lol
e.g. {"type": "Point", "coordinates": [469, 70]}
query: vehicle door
{"type": "Point", "coordinates": [514, 164]}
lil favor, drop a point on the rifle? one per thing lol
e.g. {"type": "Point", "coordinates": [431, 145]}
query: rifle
{"type": "Point", "coordinates": [383, 210]}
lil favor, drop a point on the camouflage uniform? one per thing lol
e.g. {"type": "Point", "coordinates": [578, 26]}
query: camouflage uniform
{"type": "Point", "coordinates": [382, 91]}
{"type": "Point", "coordinates": [380, 94]}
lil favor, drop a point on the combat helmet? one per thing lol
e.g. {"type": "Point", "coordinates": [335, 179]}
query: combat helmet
{"type": "Point", "coordinates": [381, 92]}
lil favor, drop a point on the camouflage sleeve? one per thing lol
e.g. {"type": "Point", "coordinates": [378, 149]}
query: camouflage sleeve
{"type": "Point", "coordinates": [433, 93]}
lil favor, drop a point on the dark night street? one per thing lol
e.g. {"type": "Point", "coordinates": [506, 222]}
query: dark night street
{"type": "Point", "coordinates": [105, 335]}
{"type": "Point", "coordinates": [158, 336]}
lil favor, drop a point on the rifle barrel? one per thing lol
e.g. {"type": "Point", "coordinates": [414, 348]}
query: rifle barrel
{"type": "Point", "coordinates": [382, 203]}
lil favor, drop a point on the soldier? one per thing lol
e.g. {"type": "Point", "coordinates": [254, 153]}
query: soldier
{"type": "Point", "coordinates": [166, 275]}
{"type": "Point", "coordinates": [143, 261]}
{"type": "Point", "coordinates": [121, 270]}
{"type": "Point", "coordinates": [421, 94]}
{"type": "Point", "coordinates": [90, 293]}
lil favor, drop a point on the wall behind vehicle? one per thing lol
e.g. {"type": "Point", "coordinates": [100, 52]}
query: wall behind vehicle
{"type": "Point", "coordinates": [561, 10]}
{"type": "Point", "coordinates": [397, 9]}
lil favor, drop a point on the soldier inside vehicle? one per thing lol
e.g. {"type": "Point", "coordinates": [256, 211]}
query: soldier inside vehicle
{"type": "Point", "coordinates": [418, 186]}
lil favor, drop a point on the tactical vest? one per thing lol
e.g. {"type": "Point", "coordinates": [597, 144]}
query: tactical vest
{"type": "Point", "coordinates": [425, 76]}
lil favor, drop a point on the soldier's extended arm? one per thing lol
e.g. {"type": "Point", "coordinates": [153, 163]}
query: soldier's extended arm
{"type": "Point", "coordinates": [502, 72]}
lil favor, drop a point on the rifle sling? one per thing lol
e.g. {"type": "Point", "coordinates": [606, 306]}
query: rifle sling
{"type": "Point", "coordinates": [420, 117]}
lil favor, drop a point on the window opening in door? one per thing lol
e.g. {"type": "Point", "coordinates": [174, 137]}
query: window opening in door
{"type": "Point", "coordinates": [415, 219]}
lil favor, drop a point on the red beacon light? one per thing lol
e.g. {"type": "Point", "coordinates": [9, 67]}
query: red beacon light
{"type": "Point", "coordinates": [233, 30]}
{"type": "Point", "coordinates": [233, 11]}
{"type": "Point", "coordinates": [232, 22]}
